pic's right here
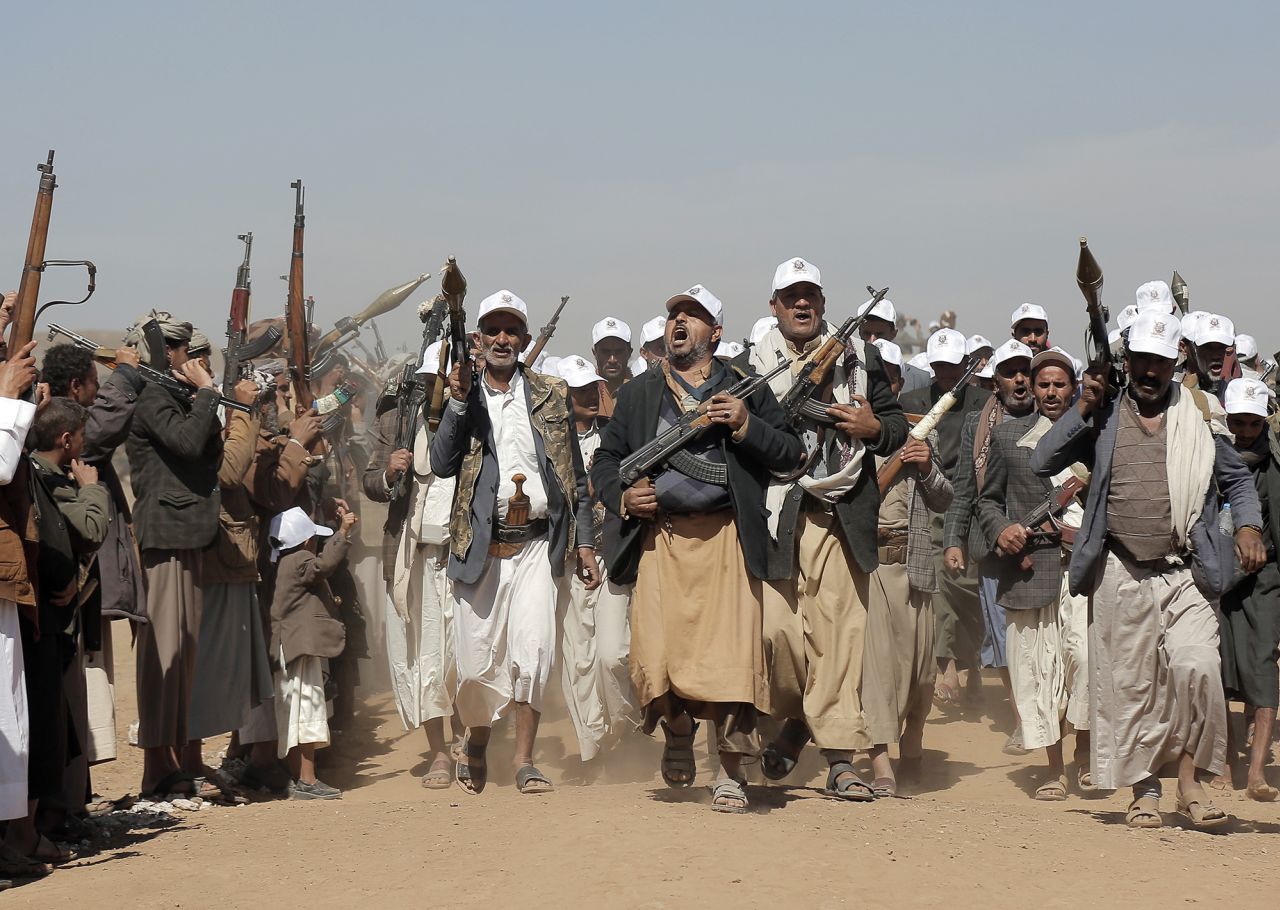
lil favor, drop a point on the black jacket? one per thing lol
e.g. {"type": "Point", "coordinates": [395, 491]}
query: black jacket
{"type": "Point", "coordinates": [769, 445]}
{"type": "Point", "coordinates": [174, 451]}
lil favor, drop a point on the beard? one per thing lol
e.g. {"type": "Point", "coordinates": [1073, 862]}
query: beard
{"type": "Point", "coordinates": [697, 352]}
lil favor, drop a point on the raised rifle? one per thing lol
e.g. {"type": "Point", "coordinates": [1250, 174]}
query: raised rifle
{"type": "Point", "coordinates": [650, 458]}
{"type": "Point", "coordinates": [296, 311]}
{"type": "Point", "coordinates": [239, 350]}
{"type": "Point", "coordinates": [545, 335]}
{"type": "Point", "coordinates": [892, 466]}
{"type": "Point", "coordinates": [348, 327]}
{"type": "Point", "coordinates": [1097, 346]}
{"type": "Point", "coordinates": [411, 394]}
{"type": "Point", "coordinates": [457, 346]}
{"type": "Point", "coordinates": [801, 402]}
{"type": "Point", "coordinates": [1047, 514]}
{"type": "Point", "coordinates": [25, 312]}
{"type": "Point", "coordinates": [145, 368]}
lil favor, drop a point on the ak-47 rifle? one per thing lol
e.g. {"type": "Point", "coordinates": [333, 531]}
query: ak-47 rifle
{"type": "Point", "coordinates": [545, 335]}
{"type": "Point", "coordinates": [348, 327]}
{"type": "Point", "coordinates": [1089, 278]}
{"type": "Point", "coordinates": [800, 402]}
{"type": "Point", "coordinates": [146, 368]}
{"type": "Point", "coordinates": [1047, 514]}
{"type": "Point", "coordinates": [1181, 293]}
{"type": "Point", "coordinates": [25, 313]}
{"type": "Point", "coordinates": [650, 458]}
{"type": "Point", "coordinates": [892, 467]}
{"type": "Point", "coordinates": [457, 346]}
{"type": "Point", "coordinates": [411, 394]}
{"type": "Point", "coordinates": [239, 350]}
{"type": "Point", "coordinates": [295, 311]}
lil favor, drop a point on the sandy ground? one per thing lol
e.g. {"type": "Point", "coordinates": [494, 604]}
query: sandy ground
{"type": "Point", "coordinates": [968, 836]}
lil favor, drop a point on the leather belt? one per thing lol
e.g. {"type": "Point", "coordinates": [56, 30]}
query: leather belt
{"type": "Point", "coordinates": [891, 536]}
{"type": "Point", "coordinates": [508, 540]}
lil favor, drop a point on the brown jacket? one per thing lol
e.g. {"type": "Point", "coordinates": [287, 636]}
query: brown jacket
{"type": "Point", "coordinates": [304, 615]}
{"type": "Point", "coordinates": [19, 541]}
{"type": "Point", "coordinates": [233, 556]}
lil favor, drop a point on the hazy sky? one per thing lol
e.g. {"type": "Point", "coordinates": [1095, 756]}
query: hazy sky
{"type": "Point", "coordinates": [620, 153]}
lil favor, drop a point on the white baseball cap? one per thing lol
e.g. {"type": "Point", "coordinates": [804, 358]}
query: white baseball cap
{"type": "Point", "coordinates": [1114, 335]}
{"type": "Point", "coordinates": [431, 358]}
{"type": "Point", "coordinates": [884, 309]}
{"type": "Point", "coordinates": [503, 302]}
{"type": "Point", "coordinates": [977, 343]}
{"type": "Point", "coordinates": [1246, 347]}
{"type": "Point", "coordinates": [1214, 328]}
{"type": "Point", "coordinates": [1247, 396]}
{"type": "Point", "coordinates": [945, 346]}
{"type": "Point", "coordinates": [1010, 350]}
{"type": "Point", "coordinates": [548, 364]}
{"type": "Point", "coordinates": [987, 371]}
{"type": "Point", "coordinates": [577, 371]}
{"type": "Point", "coordinates": [1190, 325]}
{"type": "Point", "coordinates": [1126, 317]}
{"type": "Point", "coordinates": [729, 349]}
{"type": "Point", "coordinates": [638, 365]}
{"type": "Point", "coordinates": [702, 297]}
{"type": "Point", "coordinates": [889, 352]}
{"type": "Point", "coordinates": [1028, 311]}
{"type": "Point", "coordinates": [654, 329]}
{"type": "Point", "coordinates": [1155, 295]}
{"type": "Point", "coordinates": [794, 271]}
{"type": "Point", "coordinates": [1154, 332]}
{"type": "Point", "coordinates": [921, 362]}
{"type": "Point", "coordinates": [764, 325]}
{"type": "Point", "coordinates": [610, 327]}
{"type": "Point", "coordinates": [288, 529]}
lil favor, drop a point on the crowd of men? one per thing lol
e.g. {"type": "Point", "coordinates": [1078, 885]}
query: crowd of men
{"type": "Point", "coordinates": [823, 570]}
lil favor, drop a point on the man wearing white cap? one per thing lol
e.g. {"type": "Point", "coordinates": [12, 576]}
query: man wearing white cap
{"type": "Point", "coordinates": [653, 342]}
{"type": "Point", "coordinates": [694, 543]}
{"type": "Point", "coordinates": [882, 322]}
{"type": "Point", "coordinates": [1047, 626]}
{"type": "Point", "coordinates": [596, 634]}
{"type": "Point", "coordinates": [1251, 609]}
{"type": "Point", "coordinates": [1150, 556]}
{"type": "Point", "coordinates": [823, 520]}
{"type": "Point", "coordinates": [611, 347]}
{"type": "Point", "coordinates": [418, 617]}
{"type": "Point", "coordinates": [1247, 356]}
{"type": "Point", "coordinates": [1030, 325]}
{"type": "Point", "coordinates": [520, 511]}
{"type": "Point", "coordinates": [958, 614]}
{"type": "Point", "coordinates": [962, 540]}
{"type": "Point", "coordinates": [1213, 363]}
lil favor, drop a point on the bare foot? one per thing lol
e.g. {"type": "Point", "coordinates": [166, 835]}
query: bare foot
{"type": "Point", "coordinates": [1261, 791]}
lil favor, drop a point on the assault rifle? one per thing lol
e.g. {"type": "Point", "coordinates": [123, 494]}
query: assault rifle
{"type": "Point", "coordinates": [1047, 514]}
{"type": "Point", "coordinates": [799, 402]}
{"type": "Point", "coordinates": [149, 372]}
{"type": "Point", "coordinates": [650, 458]}
{"type": "Point", "coordinates": [456, 347]}
{"type": "Point", "coordinates": [25, 313]}
{"type": "Point", "coordinates": [1089, 278]}
{"type": "Point", "coordinates": [892, 467]}
{"type": "Point", "coordinates": [412, 392]}
{"type": "Point", "coordinates": [545, 335]}
{"type": "Point", "coordinates": [348, 327]}
{"type": "Point", "coordinates": [239, 350]}
{"type": "Point", "coordinates": [296, 315]}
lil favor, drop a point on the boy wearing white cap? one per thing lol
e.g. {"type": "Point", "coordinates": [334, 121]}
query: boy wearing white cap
{"type": "Point", "coordinates": [1150, 557]}
{"type": "Point", "coordinates": [521, 509]}
{"type": "Point", "coordinates": [596, 630]}
{"type": "Point", "coordinates": [1251, 609]}
{"type": "Point", "coordinates": [1030, 325]}
{"type": "Point", "coordinates": [693, 542]}
{"type": "Point", "coordinates": [823, 520]}
{"type": "Point", "coordinates": [306, 632]}
{"type": "Point", "coordinates": [958, 614]}
{"type": "Point", "coordinates": [418, 619]}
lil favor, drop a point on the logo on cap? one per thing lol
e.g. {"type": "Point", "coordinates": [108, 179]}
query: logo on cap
{"type": "Point", "coordinates": [506, 298]}
{"type": "Point", "coordinates": [942, 341]}
{"type": "Point", "coordinates": [693, 291]}
{"type": "Point", "coordinates": [1213, 322]}
{"type": "Point", "coordinates": [579, 363]}
{"type": "Point", "coordinates": [1250, 391]}
{"type": "Point", "coordinates": [611, 324]}
{"type": "Point", "coordinates": [798, 265]}
{"type": "Point", "coordinates": [1157, 329]}
{"type": "Point", "coordinates": [1026, 308]}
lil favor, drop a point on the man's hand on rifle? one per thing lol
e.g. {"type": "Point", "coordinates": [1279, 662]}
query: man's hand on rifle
{"type": "Point", "coordinates": [588, 568]}
{"type": "Point", "coordinates": [246, 391]}
{"type": "Point", "coordinates": [918, 453]}
{"type": "Point", "coordinates": [127, 355]}
{"type": "Point", "coordinates": [727, 411]}
{"type": "Point", "coordinates": [193, 371]}
{"type": "Point", "coordinates": [397, 464]}
{"type": "Point", "coordinates": [86, 475]}
{"type": "Point", "coordinates": [1093, 390]}
{"type": "Point", "coordinates": [305, 428]}
{"type": "Point", "coordinates": [1012, 540]}
{"type": "Point", "coordinates": [856, 419]}
{"type": "Point", "coordinates": [460, 381]}
{"type": "Point", "coordinates": [18, 372]}
{"type": "Point", "coordinates": [640, 500]}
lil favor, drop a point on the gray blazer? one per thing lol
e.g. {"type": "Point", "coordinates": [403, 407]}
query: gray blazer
{"type": "Point", "coordinates": [1071, 439]}
{"type": "Point", "coordinates": [1009, 492]}
{"type": "Point", "coordinates": [960, 529]}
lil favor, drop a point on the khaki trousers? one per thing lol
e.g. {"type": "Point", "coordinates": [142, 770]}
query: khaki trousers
{"type": "Point", "coordinates": [813, 630]}
{"type": "Point", "coordinates": [167, 646]}
{"type": "Point", "coordinates": [898, 668]}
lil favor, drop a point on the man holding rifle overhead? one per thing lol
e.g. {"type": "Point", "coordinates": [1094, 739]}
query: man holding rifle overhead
{"type": "Point", "coordinates": [823, 523]}
{"type": "Point", "coordinates": [693, 542]}
{"type": "Point", "coordinates": [521, 508]}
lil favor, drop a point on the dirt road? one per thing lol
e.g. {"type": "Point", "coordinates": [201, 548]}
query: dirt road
{"type": "Point", "coordinates": [968, 836]}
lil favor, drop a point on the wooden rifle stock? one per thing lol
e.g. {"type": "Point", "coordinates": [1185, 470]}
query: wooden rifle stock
{"type": "Point", "coordinates": [237, 323]}
{"type": "Point", "coordinates": [545, 335]}
{"type": "Point", "coordinates": [296, 310]}
{"type": "Point", "coordinates": [24, 308]}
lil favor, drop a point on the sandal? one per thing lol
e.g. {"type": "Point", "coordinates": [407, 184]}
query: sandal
{"type": "Point", "coordinates": [1144, 812]}
{"type": "Point", "coordinates": [532, 781]}
{"type": "Point", "coordinates": [884, 788]}
{"type": "Point", "coordinates": [677, 756]}
{"type": "Point", "coordinates": [17, 865]}
{"type": "Point", "coordinates": [437, 779]}
{"type": "Point", "coordinates": [169, 784]}
{"type": "Point", "coordinates": [1084, 780]}
{"type": "Point", "coordinates": [47, 851]}
{"type": "Point", "coordinates": [1203, 813]}
{"type": "Point", "coordinates": [1053, 791]}
{"type": "Point", "coordinates": [471, 779]}
{"type": "Point", "coordinates": [1262, 792]}
{"type": "Point", "coordinates": [729, 795]}
{"type": "Point", "coordinates": [853, 788]}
